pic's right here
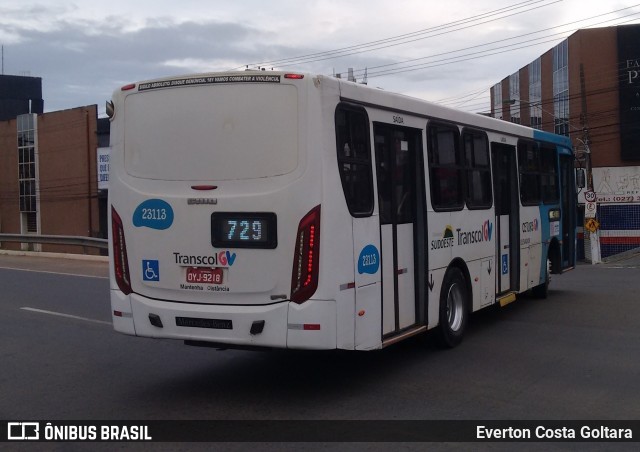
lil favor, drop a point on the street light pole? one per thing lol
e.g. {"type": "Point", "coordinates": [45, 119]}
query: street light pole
{"type": "Point", "coordinates": [594, 238]}
{"type": "Point", "coordinates": [586, 152]}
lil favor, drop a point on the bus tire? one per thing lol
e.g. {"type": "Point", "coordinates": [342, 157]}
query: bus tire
{"type": "Point", "coordinates": [453, 312]}
{"type": "Point", "coordinates": [542, 291]}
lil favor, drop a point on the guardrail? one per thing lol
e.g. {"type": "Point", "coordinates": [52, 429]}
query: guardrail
{"type": "Point", "coordinates": [56, 240]}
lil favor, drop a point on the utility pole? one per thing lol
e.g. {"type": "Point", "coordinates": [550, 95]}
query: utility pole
{"type": "Point", "coordinates": [584, 120]}
{"type": "Point", "coordinates": [594, 238]}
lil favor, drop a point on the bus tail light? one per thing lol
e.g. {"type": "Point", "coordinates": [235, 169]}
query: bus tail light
{"type": "Point", "coordinates": [306, 257]}
{"type": "Point", "coordinates": [120, 261]}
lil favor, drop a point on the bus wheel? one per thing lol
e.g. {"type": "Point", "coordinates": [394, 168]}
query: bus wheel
{"type": "Point", "coordinates": [453, 309]}
{"type": "Point", "coordinates": [542, 290]}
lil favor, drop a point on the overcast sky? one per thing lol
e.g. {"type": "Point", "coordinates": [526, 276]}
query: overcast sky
{"type": "Point", "coordinates": [447, 51]}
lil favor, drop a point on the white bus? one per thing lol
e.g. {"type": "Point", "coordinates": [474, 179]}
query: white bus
{"type": "Point", "coordinates": [290, 210]}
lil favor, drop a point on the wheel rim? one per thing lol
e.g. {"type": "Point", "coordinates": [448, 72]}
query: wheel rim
{"type": "Point", "coordinates": [455, 307]}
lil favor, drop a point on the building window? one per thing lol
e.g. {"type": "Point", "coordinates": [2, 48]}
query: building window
{"type": "Point", "coordinates": [30, 219]}
{"type": "Point", "coordinates": [514, 98]}
{"type": "Point", "coordinates": [535, 93]}
{"type": "Point", "coordinates": [354, 159]}
{"type": "Point", "coordinates": [497, 101]}
{"type": "Point", "coordinates": [27, 171]}
{"type": "Point", "coordinates": [561, 88]}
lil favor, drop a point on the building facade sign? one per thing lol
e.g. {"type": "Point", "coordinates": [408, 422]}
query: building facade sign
{"type": "Point", "coordinates": [629, 89]}
{"type": "Point", "coordinates": [103, 168]}
{"type": "Point", "coordinates": [615, 185]}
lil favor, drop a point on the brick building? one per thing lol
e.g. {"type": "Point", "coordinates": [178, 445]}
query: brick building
{"type": "Point", "coordinates": [588, 88]}
{"type": "Point", "coordinates": [48, 181]}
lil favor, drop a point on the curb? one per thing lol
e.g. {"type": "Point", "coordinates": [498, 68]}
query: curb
{"type": "Point", "coordinates": [621, 256]}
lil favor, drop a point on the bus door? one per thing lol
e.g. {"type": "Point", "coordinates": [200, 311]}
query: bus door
{"type": "Point", "coordinates": [505, 189]}
{"type": "Point", "coordinates": [398, 151]}
{"type": "Point", "coordinates": [568, 207]}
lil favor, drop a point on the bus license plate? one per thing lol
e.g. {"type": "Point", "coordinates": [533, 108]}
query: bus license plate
{"type": "Point", "coordinates": [204, 275]}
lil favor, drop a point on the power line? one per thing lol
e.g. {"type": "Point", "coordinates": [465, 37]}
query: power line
{"type": "Point", "coordinates": [470, 56]}
{"type": "Point", "coordinates": [606, 76]}
{"type": "Point", "coordinates": [384, 43]}
{"type": "Point", "coordinates": [357, 71]}
{"type": "Point", "coordinates": [456, 59]}
{"type": "Point", "coordinates": [416, 39]}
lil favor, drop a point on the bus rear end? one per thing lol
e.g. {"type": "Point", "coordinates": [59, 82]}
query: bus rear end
{"type": "Point", "coordinates": [215, 211]}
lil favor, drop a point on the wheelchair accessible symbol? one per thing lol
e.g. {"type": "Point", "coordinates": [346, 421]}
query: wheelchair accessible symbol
{"type": "Point", "coordinates": [150, 270]}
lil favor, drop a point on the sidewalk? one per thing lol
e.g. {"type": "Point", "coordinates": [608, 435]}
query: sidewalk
{"type": "Point", "coordinates": [74, 264]}
{"type": "Point", "coordinates": [629, 258]}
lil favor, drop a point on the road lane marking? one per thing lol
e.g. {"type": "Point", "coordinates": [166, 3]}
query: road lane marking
{"type": "Point", "coordinates": [53, 273]}
{"type": "Point", "coordinates": [68, 316]}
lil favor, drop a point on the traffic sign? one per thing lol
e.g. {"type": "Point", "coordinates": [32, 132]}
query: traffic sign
{"type": "Point", "coordinates": [590, 196]}
{"type": "Point", "coordinates": [590, 209]}
{"type": "Point", "coordinates": [592, 225]}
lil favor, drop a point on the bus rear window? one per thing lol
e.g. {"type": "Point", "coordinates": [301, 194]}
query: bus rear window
{"type": "Point", "coordinates": [224, 132]}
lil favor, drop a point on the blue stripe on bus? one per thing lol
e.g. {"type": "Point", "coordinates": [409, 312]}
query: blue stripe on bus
{"type": "Point", "coordinates": [563, 144]}
{"type": "Point", "coordinates": [552, 138]}
{"type": "Point", "coordinates": [545, 238]}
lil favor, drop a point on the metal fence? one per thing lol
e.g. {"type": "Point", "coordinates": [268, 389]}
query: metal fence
{"type": "Point", "coordinates": [90, 242]}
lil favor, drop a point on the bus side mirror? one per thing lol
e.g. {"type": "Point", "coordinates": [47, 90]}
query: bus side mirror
{"type": "Point", "coordinates": [581, 178]}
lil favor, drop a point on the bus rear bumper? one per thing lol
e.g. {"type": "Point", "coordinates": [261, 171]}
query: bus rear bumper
{"type": "Point", "coordinates": [311, 325]}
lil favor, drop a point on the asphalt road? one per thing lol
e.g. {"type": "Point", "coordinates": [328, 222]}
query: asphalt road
{"type": "Point", "coordinates": [575, 355]}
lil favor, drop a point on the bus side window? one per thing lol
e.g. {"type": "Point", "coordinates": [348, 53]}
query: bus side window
{"type": "Point", "coordinates": [476, 151]}
{"type": "Point", "coordinates": [529, 166]}
{"type": "Point", "coordinates": [384, 177]}
{"type": "Point", "coordinates": [445, 167]}
{"type": "Point", "coordinates": [550, 190]}
{"type": "Point", "coordinates": [354, 159]}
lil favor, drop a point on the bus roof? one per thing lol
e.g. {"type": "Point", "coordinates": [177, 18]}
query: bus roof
{"type": "Point", "coordinates": [358, 93]}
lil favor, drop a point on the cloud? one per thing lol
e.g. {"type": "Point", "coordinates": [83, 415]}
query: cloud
{"type": "Point", "coordinates": [104, 54]}
{"type": "Point", "coordinates": [96, 47]}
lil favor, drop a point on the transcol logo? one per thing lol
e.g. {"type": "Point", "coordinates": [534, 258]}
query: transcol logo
{"type": "Point", "coordinates": [483, 234]}
{"type": "Point", "coordinates": [487, 230]}
{"type": "Point", "coordinates": [221, 259]}
{"type": "Point", "coordinates": [530, 226]}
